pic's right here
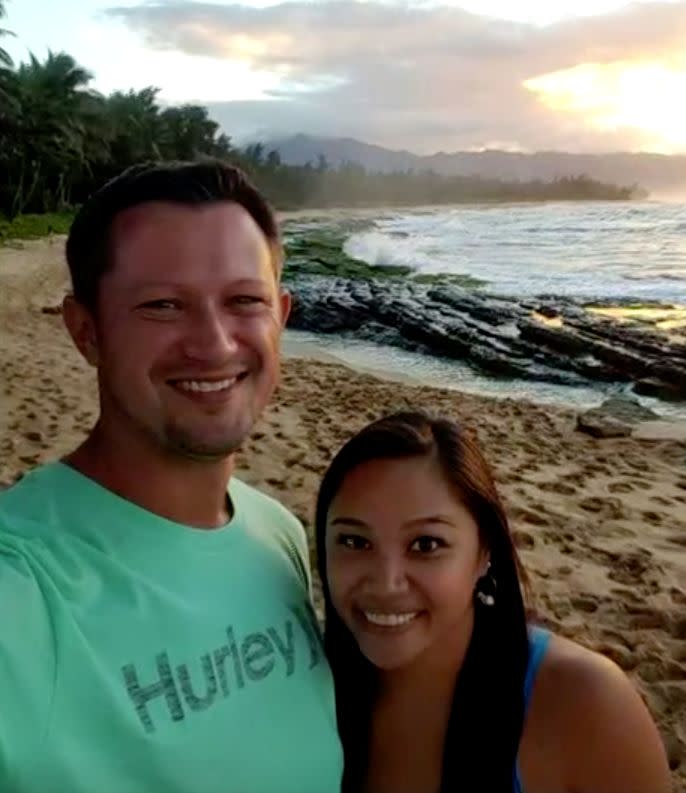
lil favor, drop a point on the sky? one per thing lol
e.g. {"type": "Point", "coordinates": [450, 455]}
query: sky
{"type": "Point", "coordinates": [422, 75]}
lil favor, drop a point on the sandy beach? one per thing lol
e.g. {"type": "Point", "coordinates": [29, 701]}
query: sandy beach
{"type": "Point", "coordinates": [601, 524]}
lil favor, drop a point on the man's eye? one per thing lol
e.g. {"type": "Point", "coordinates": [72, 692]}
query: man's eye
{"type": "Point", "coordinates": [427, 544]}
{"type": "Point", "coordinates": [161, 305]}
{"type": "Point", "coordinates": [247, 300]}
{"type": "Point", "coordinates": [352, 542]}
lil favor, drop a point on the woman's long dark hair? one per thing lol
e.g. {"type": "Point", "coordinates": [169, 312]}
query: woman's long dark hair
{"type": "Point", "coordinates": [487, 714]}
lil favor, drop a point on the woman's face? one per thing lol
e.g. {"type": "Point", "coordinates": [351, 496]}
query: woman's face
{"type": "Point", "coordinates": [403, 557]}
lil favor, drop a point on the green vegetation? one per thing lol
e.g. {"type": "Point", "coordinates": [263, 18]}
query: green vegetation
{"type": "Point", "coordinates": [26, 227]}
{"type": "Point", "coordinates": [319, 251]}
{"type": "Point", "coordinates": [60, 140]}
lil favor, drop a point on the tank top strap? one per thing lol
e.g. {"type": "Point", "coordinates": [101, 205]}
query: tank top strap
{"type": "Point", "coordinates": [539, 638]}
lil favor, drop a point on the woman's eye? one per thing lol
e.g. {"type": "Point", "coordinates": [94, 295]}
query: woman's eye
{"type": "Point", "coordinates": [352, 542]}
{"type": "Point", "coordinates": [427, 544]}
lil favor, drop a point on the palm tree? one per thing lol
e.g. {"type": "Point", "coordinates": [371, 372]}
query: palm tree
{"type": "Point", "coordinates": [5, 59]}
{"type": "Point", "coordinates": [134, 121]}
{"type": "Point", "coordinates": [53, 130]}
{"type": "Point", "coordinates": [187, 132]}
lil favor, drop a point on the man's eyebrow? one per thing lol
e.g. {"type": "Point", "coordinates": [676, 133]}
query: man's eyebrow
{"type": "Point", "coordinates": [238, 282]}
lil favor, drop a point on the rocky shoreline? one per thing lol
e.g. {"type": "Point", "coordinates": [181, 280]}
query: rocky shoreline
{"type": "Point", "coordinates": [549, 339]}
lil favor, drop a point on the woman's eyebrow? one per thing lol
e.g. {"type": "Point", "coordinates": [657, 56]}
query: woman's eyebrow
{"type": "Point", "coordinates": [352, 522]}
{"type": "Point", "coordinates": [443, 519]}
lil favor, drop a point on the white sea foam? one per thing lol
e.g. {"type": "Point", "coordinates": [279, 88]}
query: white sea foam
{"type": "Point", "coordinates": [590, 250]}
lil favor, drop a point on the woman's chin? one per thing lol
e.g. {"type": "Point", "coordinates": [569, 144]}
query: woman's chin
{"type": "Point", "coordinates": [389, 659]}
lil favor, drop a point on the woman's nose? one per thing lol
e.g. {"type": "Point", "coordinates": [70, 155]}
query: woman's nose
{"type": "Point", "coordinates": [387, 575]}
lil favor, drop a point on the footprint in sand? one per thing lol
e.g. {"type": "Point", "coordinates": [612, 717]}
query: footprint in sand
{"type": "Point", "coordinates": [626, 594]}
{"type": "Point", "coordinates": [530, 516]}
{"type": "Point", "coordinates": [674, 671]}
{"type": "Point", "coordinates": [630, 568]}
{"type": "Point", "coordinates": [585, 603]}
{"type": "Point", "coordinates": [638, 465]}
{"type": "Point", "coordinates": [558, 487]}
{"type": "Point", "coordinates": [676, 751]}
{"type": "Point", "coordinates": [653, 517]}
{"type": "Point", "coordinates": [678, 539]}
{"type": "Point", "coordinates": [662, 501]}
{"type": "Point", "coordinates": [620, 487]}
{"type": "Point", "coordinates": [643, 618]}
{"type": "Point", "coordinates": [563, 571]}
{"type": "Point", "coordinates": [610, 508]}
{"type": "Point", "coordinates": [523, 540]}
{"type": "Point", "coordinates": [622, 656]}
{"type": "Point", "coordinates": [679, 597]}
{"type": "Point", "coordinates": [678, 628]}
{"type": "Point", "coordinates": [651, 671]}
{"type": "Point", "coordinates": [29, 459]}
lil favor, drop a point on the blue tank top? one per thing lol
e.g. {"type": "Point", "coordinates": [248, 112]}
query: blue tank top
{"type": "Point", "coordinates": [539, 639]}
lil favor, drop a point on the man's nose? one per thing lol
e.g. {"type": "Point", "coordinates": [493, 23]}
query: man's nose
{"type": "Point", "coordinates": [210, 335]}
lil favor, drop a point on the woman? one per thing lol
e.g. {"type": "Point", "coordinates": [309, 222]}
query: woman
{"type": "Point", "coordinates": [441, 684]}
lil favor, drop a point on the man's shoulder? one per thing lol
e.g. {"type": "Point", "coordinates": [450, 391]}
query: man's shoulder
{"type": "Point", "coordinates": [24, 610]}
{"type": "Point", "coordinates": [252, 499]}
{"type": "Point", "coordinates": [28, 506]}
{"type": "Point", "coordinates": [275, 523]}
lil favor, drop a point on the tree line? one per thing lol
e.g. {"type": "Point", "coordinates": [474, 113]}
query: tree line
{"type": "Point", "coordinates": [60, 139]}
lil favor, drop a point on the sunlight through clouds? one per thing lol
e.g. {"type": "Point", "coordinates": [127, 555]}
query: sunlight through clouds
{"type": "Point", "coordinates": [644, 96]}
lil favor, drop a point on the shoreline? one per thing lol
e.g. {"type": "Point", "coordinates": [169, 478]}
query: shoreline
{"type": "Point", "coordinates": [410, 369]}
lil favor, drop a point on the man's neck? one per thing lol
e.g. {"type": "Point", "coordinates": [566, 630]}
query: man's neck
{"type": "Point", "coordinates": [182, 490]}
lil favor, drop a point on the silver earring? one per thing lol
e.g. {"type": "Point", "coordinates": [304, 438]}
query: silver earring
{"type": "Point", "coordinates": [486, 588]}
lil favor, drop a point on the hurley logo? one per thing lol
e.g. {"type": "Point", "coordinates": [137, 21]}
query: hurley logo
{"type": "Point", "coordinates": [228, 668]}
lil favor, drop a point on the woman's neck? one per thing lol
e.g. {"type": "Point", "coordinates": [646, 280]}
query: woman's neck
{"type": "Point", "coordinates": [411, 715]}
{"type": "Point", "coordinates": [432, 676]}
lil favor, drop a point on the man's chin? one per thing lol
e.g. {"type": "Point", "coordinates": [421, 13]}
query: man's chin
{"type": "Point", "coordinates": [193, 447]}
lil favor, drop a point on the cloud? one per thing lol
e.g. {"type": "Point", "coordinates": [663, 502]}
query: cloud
{"type": "Point", "coordinates": [423, 78]}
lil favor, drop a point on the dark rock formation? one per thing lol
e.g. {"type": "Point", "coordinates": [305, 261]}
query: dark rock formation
{"type": "Point", "coordinates": [546, 339]}
{"type": "Point", "coordinates": [615, 418]}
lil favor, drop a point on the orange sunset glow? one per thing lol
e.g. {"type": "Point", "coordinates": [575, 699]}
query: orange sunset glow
{"type": "Point", "coordinates": [643, 96]}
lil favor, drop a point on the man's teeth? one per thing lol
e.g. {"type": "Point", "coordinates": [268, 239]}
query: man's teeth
{"type": "Point", "coordinates": [206, 385]}
{"type": "Point", "coordinates": [390, 620]}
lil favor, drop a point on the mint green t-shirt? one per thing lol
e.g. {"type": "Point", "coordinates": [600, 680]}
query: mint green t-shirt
{"type": "Point", "coordinates": [138, 655]}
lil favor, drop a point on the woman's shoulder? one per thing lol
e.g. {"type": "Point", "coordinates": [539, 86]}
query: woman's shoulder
{"type": "Point", "coordinates": [587, 710]}
{"type": "Point", "coordinates": [567, 665]}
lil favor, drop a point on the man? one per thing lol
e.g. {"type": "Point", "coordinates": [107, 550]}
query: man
{"type": "Point", "coordinates": [157, 634]}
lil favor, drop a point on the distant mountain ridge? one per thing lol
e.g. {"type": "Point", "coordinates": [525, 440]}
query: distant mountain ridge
{"type": "Point", "coordinates": [655, 172]}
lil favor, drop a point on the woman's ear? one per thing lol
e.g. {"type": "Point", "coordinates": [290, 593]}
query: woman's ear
{"type": "Point", "coordinates": [484, 563]}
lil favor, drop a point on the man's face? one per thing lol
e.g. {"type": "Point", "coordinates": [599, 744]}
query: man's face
{"type": "Point", "coordinates": [190, 316]}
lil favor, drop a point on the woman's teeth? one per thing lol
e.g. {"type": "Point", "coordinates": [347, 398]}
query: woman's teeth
{"type": "Point", "coordinates": [206, 385]}
{"type": "Point", "coordinates": [389, 620]}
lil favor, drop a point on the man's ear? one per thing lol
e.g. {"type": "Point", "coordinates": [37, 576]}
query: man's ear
{"type": "Point", "coordinates": [286, 304]}
{"type": "Point", "coordinates": [81, 326]}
